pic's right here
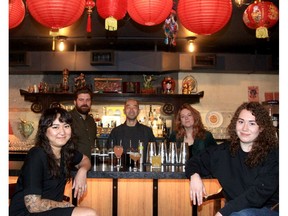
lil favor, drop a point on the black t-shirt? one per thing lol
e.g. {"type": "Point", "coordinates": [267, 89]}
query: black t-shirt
{"type": "Point", "coordinates": [35, 178]}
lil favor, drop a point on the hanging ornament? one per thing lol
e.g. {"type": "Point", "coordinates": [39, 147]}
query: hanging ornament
{"type": "Point", "coordinates": [170, 27]}
{"type": "Point", "coordinates": [149, 12]}
{"type": "Point", "coordinates": [204, 17]}
{"type": "Point", "coordinates": [111, 11]}
{"type": "Point", "coordinates": [261, 16]}
{"type": "Point", "coordinates": [90, 4]}
{"type": "Point", "coordinates": [16, 13]}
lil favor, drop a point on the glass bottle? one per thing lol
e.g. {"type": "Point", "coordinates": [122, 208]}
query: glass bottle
{"type": "Point", "coordinates": [164, 130]}
{"type": "Point", "coordinates": [141, 150]}
{"type": "Point", "coordinates": [111, 154]}
{"type": "Point", "coordinates": [94, 155]}
{"type": "Point", "coordinates": [128, 161]}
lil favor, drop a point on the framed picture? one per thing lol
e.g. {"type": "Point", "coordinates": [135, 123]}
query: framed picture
{"type": "Point", "coordinates": [253, 94]}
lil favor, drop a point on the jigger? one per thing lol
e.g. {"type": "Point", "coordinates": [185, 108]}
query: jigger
{"type": "Point", "coordinates": [151, 151]}
{"type": "Point", "coordinates": [184, 153]}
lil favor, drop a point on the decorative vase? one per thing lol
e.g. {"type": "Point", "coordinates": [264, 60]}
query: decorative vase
{"type": "Point", "coordinates": [168, 85]}
{"type": "Point", "coordinates": [26, 128]}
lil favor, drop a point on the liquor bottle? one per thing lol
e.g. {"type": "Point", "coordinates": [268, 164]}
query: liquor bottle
{"type": "Point", "coordinates": [150, 114]}
{"type": "Point", "coordinates": [94, 155]}
{"type": "Point", "coordinates": [111, 154]}
{"type": "Point", "coordinates": [164, 130]}
{"type": "Point", "coordinates": [128, 161]}
{"type": "Point", "coordinates": [141, 150]}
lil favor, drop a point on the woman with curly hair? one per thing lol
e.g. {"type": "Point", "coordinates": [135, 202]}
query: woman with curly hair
{"type": "Point", "coordinates": [189, 128]}
{"type": "Point", "coordinates": [246, 166]}
{"type": "Point", "coordinates": [47, 168]}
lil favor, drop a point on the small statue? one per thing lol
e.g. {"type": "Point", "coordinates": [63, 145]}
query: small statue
{"type": "Point", "coordinates": [80, 81]}
{"type": "Point", "coordinates": [65, 84]}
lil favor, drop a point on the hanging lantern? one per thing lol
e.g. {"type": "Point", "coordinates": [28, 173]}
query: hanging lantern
{"type": "Point", "coordinates": [56, 14]}
{"type": "Point", "coordinates": [261, 16]}
{"type": "Point", "coordinates": [149, 12]}
{"type": "Point", "coordinates": [16, 13]}
{"type": "Point", "coordinates": [90, 4]}
{"type": "Point", "coordinates": [111, 11]}
{"type": "Point", "coordinates": [204, 17]}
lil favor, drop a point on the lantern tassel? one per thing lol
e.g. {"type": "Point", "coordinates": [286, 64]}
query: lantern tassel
{"type": "Point", "coordinates": [53, 44]}
{"type": "Point", "coordinates": [111, 24]}
{"type": "Point", "coordinates": [262, 32]}
{"type": "Point", "coordinates": [88, 27]}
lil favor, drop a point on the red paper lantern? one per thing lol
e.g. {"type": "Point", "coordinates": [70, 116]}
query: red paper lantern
{"type": "Point", "coordinates": [16, 13]}
{"type": "Point", "coordinates": [204, 17]}
{"type": "Point", "coordinates": [261, 16]}
{"type": "Point", "coordinates": [149, 12]}
{"type": "Point", "coordinates": [56, 14]}
{"type": "Point", "coordinates": [111, 11]}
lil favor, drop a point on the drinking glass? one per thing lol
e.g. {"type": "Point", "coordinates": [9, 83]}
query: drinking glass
{"type": "Point", "coordinates": [162, 150]}
{"type": "Point", "coordinates": [135, 156]}
{"type": "Point", "coordinates": [151, 151]}
{"type": "Point", "coordinates": [173, 156]}
{"type": "Point", "coordinates": [184, 153]}
{"type": "Point", "coordinates": [118, 151]}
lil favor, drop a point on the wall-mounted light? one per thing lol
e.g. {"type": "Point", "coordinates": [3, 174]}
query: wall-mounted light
{"type": "Point", "coordinates": [61, 45]}
{"type": "Point", "coordinates": [191, 44]}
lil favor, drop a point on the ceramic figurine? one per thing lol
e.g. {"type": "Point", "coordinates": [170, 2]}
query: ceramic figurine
{"type": "Point", "coordinates": [168, 85]}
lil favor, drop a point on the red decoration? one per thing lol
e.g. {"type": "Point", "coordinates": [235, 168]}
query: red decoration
{"type": "Point", "coordinates": [149, 12]}
{"type": "Point", "coordinates": [261, 16]}
{"type": "Point", "coordinates": [16, 13]}
{"type": "Point", "coordinates": [204, 17]}
{"type": "Point", "coordinates": [90, 4]}
{"type": "Point", "coordinates": [111, 11]}
{"type": "Point", "coordinates": [56, 14]}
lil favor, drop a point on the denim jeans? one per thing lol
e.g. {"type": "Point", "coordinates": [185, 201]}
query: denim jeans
{"type": "Point", "coordinates": [255, 212]}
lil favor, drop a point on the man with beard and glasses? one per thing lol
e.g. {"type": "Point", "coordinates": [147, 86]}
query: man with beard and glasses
{"type": "Point", "coordinates": [83, 125]}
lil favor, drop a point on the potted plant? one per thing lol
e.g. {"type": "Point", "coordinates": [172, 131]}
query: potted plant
{"type": "Point", "coordinates": [147, 84]}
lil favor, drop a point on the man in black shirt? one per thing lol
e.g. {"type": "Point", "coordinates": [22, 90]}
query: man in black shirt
{"type": "Point", "coordinates": [131, 129]}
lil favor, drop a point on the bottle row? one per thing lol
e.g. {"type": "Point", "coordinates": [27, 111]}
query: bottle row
{"type": "Point", "coordinates": [156, 154]}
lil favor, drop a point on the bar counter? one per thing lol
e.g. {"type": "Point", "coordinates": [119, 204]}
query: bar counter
{"type": "Point", "coordinates": [149, 192]}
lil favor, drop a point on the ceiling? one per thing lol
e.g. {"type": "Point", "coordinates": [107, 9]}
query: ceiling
{"type": "Point", "coordinates": [235, 37]}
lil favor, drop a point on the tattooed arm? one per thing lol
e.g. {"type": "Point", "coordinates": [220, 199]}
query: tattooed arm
{"type": "Point", "coordinates": [34, 203]}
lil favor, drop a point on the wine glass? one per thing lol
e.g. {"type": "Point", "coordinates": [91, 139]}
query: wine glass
{"type": "Point", "coordinates": [118, 151]}
{"type": "Point", "coordinates": [135, 156]}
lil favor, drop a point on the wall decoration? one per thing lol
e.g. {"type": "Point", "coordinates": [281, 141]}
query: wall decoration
{"type": "Point", "coordinates": [253, 93]}
{"type": "Point", "coordinates": [189, 85]}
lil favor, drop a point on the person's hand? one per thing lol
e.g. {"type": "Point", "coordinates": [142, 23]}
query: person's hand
{"type": "Point", "coordinates": [80, 183]}
{"type": "Point", "coordinates": [197, 189]}
{"type": "Point", "coordinates": [218, 214]}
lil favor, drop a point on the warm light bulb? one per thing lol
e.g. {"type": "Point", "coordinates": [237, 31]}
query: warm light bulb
{"type": "Point", "coordinates": [239, 3]}
{"type": "Point", "coordinates": [61, 46]}
{"type": "Point", "coordinates": [191, 46]}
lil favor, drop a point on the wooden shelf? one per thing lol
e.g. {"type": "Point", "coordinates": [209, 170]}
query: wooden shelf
{"type": "Point", "coordinates": [41, 101]}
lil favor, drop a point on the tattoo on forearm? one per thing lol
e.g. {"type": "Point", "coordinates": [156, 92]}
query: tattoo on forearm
{"type": "Point", "coordinates": [34, 203]}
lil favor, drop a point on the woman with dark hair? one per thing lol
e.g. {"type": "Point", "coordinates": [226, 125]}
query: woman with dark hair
{"type": "Point", "coordinates": [47, 169]}
{"type": "Point", "coordinates": [246, 166]}
{"type": "Point", "coordinates": [189, 128]}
